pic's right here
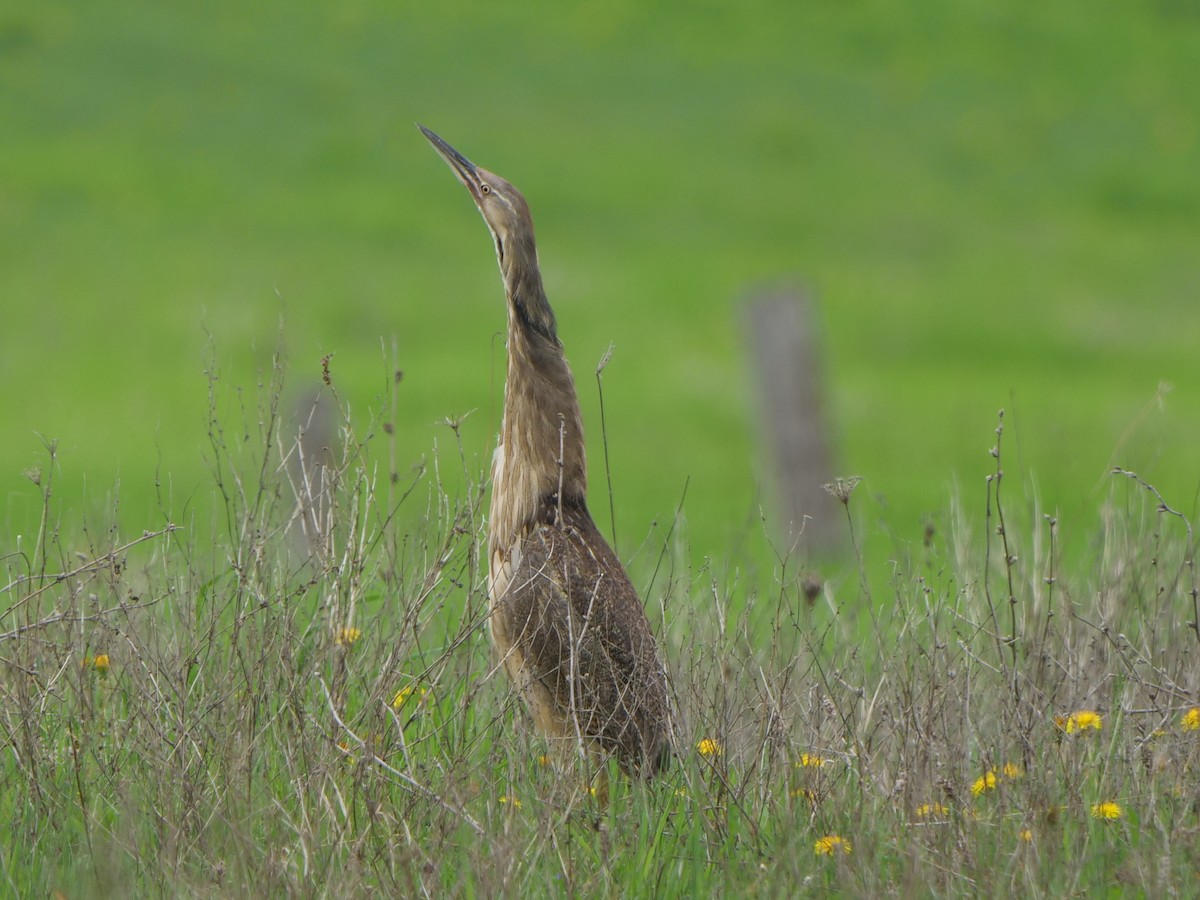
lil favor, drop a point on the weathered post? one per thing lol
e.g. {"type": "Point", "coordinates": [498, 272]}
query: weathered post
{"type": "Point", "coordinates": [784, 352]}
{"type": "Point", "coordinates": [312, 466]}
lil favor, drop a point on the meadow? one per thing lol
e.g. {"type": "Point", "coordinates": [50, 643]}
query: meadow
{"type": "Point", "coordinates": [991, 209]}
{"type": "Point", "coordinates": [314, 710]}
{"type": "Point", "coordinates": [206, 217]}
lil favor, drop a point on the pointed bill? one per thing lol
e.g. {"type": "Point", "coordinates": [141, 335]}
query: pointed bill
{"type": "Point", "coordinates": [463, 167]}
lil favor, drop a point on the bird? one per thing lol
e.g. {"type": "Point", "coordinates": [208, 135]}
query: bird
{"type": "Point", "coordinates": [565, 619]}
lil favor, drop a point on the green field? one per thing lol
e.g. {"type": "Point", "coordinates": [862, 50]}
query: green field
{"type": "Point", "coordinates": [993, 208]}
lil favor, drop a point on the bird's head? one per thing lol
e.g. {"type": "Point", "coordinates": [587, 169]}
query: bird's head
{"type": "Point", "coordinates": [501, 204]}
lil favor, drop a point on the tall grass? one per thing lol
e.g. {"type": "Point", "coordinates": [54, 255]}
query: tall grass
{"type": "Point", "coordinates": [309, 706]}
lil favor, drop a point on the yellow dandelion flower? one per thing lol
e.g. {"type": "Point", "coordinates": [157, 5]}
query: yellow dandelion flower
{"type": "Point", "coordinates": [925, 810]}
{"type": "Point", "coordinates": [1107, 810]}
{"type": "Point", "coordinates": [1012, 771]}
{"type": "Point", "coordinates": [810, 761]}
{"type": "Point", "coordinates": [1084, 720]}
{"type": "Point", "coordinates": [543, 760]}
{"type": "Point", "coordinates": [514, 802]}
{"type": "Point", "coordinates": [710, 747]}
{"type": "Point", "coordinates": [830, 844]}
{"type": "Point", "coordinates": [805, 794]}
{"type": "Point", "coordinates": [986, 782]}
{"type": "Point", "coordinates": [406, 693]}
{"type": "Point", "coordinates": [347, 636]}
{"type": "Point", "coordinates": [1191, 719]}
{"type": "Point", "coordinates": [100, 662]}
{"type": "Point", "coordinates": [1026, 835]}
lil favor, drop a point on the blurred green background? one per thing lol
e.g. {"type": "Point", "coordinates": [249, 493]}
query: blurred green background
{"type": "Point", "coordinates": [996, 205]}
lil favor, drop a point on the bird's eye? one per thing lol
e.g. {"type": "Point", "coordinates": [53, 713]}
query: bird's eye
{"type": "Point", "coordinates": [485, 188]}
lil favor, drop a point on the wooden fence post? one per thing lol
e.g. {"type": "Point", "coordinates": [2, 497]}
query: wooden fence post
{"type": "Point", "coordinates": [785, 356]}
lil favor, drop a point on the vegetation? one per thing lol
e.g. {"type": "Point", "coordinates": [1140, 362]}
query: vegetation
{"type": "Point", "coordinates": [309, 707]}
{"type": "Point", "coordinates": [993, 208]}
{"type": "Point", "coordinates": [208, 689]}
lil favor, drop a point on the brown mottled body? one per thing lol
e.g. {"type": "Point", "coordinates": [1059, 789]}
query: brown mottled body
{"type": "Point", "coordinates": [567, 622]}
{"type": "Point", "coordinates": [576, 643]}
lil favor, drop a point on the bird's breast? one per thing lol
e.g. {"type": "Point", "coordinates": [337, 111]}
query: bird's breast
{"type": "Point", "coordinates": [518, 490]}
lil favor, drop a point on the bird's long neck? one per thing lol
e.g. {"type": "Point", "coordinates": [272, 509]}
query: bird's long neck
{"type": "Point", "coordinates": [540, 462]}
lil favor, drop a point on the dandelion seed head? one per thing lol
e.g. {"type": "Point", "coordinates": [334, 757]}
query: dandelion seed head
{"type": "Point", "coordinates": [842, 488]}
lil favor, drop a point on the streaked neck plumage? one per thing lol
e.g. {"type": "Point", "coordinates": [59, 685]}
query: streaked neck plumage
{"type": "Point", "coordinates": [540, 462]}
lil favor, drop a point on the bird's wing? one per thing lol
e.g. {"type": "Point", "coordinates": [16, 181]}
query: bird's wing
{"type": "Point", "coordinates": [572, 614]}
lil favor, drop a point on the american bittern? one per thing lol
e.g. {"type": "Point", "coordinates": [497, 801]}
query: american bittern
{"type": "Point", "coordinates": [567, 622]}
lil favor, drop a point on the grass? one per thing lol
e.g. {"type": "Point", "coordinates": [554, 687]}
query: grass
{"type": "Point", "coordinates": [995, 209]}
{"type": "Point", "coordinates": [308, 705]}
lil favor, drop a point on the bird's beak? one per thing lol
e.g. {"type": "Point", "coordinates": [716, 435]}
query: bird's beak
{"type": "Point", "coordinates": [463, 167]}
